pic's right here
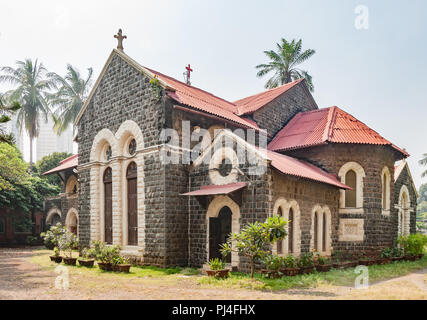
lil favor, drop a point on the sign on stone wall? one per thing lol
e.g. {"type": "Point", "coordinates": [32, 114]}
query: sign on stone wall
{"type": "Point", "coordinates": [351, 230]}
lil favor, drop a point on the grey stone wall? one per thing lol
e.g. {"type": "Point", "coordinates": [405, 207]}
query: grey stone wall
{"type": "Point", "coordinates": [276, 114]}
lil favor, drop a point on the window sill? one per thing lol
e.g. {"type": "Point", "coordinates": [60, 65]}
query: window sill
{"type": "Point", "coordinates": [351, 210]}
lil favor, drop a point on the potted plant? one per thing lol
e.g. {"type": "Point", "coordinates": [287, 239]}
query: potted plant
{"type": "Point", "coordinates": [217, 268]}
{"type": "Point", "coordinates": [101, 255]}
{"type": "Point", "coordinates": [52, 236]}
{"type": "Point", "coordinates": [322, 264]}
{"type": "Point", "coordinates": [87, 258]}
{"type": "Point", "coordinates": [306, 263]}
{"type": "Point", "coordinates": [290, 266]}
{"type": "Point", "coordinates": [67, 243]}
{"type": "Point", "coordinates": [386, 255]}
{"type": "Point", "coordinates": [337, 259]}
{"type": "Point", "coordinates": [124, 265]}
{"type": "Point", "coordinates": [366, 261]}
{"type": "Point", "coordinates": [397, 254]}
{"type": "Point", "coordinates": [273, 264]}
{"type": "Point", "coordinates": [56, 256]}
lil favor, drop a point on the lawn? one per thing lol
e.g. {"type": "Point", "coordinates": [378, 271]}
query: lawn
{"type": "Point", "coordinates": [237, 280]}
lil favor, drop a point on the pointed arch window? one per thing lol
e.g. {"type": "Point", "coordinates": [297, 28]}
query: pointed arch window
{"type": "Point", "coordinates": [108, 205]}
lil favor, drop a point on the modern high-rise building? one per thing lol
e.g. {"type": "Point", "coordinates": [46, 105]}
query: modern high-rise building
{"type": "Point", "coordinates": [12, 127]}
{"type": "Point", "coordinates": [48, 141]}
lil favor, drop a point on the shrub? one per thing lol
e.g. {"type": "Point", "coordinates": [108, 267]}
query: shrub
{"type": "Point", "coordinates": [413, 244]}
{"type": "Point", "coordinates": [68, 242]}
{"type": "Point", "coordinates": [103, 253]}
{"type": "Point", "coordinates": [216, 264]}
{"type": "Point", "coordinates": [386, 253]}
{"type": "Point", "coordinates": [306, 260]}
{"type": "Point", "coordinates": [273, 262]}
{"type": "Point", "coordinates": [290, 262]}
{"type": "Point", "coordinates": [322, 260]}
{"type": "Point", "coordinates": [52, 236]}
{"type": "Point", "coordinates": [397, 252]}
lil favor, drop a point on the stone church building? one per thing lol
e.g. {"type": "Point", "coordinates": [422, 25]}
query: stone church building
{"type": "Point", "coordinates": [341, 184]}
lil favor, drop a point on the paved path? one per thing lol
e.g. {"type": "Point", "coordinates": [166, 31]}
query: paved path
{"type": "Point", "coordinates": [22, 279]}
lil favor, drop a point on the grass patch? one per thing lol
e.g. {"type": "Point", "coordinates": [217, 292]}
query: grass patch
{"type": "Point", "coordinates": [337, 277]}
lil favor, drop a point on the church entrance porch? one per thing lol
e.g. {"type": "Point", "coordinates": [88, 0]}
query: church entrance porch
{"type": "Point", "coordinates": [219, 231]}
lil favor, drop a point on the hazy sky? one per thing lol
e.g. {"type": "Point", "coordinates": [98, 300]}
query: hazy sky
{"type": "Point", "coordinates": [376, 74]}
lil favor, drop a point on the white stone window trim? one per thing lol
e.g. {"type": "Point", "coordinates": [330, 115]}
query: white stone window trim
{"type": "Point", "coordinates": [322, 213]}
{"type": "Point", "coordinates": [213, 210]}
{"type": "Point", "coordinates": [360, 232]}
{"type": "Point", "coordinates": [286, 206]}
{"type": "Point", "coordinates": [360, 175]}
{"type": "Point", "coordinates": [215, 163]}
{"type": "Point", "coordinates": [404, 212]}
{"type": "Point", "coordinates": [385, 184]}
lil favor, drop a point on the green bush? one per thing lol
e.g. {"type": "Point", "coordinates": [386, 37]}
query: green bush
{"type": "Point", "coordinates": [413, 244]}
{"type": "Point", "coordinates": [386, 253]}
{"type": "Point", "coordinates": [306, 260]}
{"type": "Point", "coordinates": [52, 236]}
{"type": "Point", "coordinates": [290, 262]}
{"type": "Point", "coordinates": [273, 262]}
{"type": "Point", "coordinates": [216, 264]}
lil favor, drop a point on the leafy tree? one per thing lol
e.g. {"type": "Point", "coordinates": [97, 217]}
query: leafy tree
{"type": "Point", "coordinates": [5, 112]}
{"type": "Point", "coordinates": [13, 169]}
{"type": "Point", "coordinates": [284, 62]}
{"type": "Point", "coordinates": [254, 239]}
{"type": "Point", "coordinates": [422, 193]}
{"type": "Point", "coordinates": [31, 91]}
{"type": "Point", "coordinates": [49, 162]}
{"type": "Point", "coordinates": [73, 91]}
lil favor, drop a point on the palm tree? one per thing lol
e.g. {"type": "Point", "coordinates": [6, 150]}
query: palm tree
{"type": "Point", "coordinates": [70, 97]}
{"type": "Point", "coordinates": [423, 162]}
{"type": "Point", "coordinates": [283, 63]}
{"type": "Point", "coordinates": [32, 87]}
{"type": "Point", "coordinates": [5, 112]}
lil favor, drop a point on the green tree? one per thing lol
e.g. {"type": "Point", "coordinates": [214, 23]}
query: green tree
{"type": "Point", "coordinates": [69, 99]}
{"type": "Point", "coordinates": [422, 193]}
{"type": "Point", "coordinates": [253, 240]}
{"type": "Point", "coordinates": [32, 88]}
{"type": "Point", "coordinates": [5, 112]}
{"type": "Point", "coordinates": [284, 62]}
{"type": "Point", "coordinates": [13, 168]}
{"type": "Point", "coordinates": [49, 162]}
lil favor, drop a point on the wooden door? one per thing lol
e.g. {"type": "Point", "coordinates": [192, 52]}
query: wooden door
{"type": "Point", "coordinates": [132, 205]}
{"type": "Point", "coordinates": [108, 206]}
{"type": "Point", "coordinates": [219, 231]}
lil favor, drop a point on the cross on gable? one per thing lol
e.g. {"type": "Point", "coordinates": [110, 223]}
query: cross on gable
{"type": "Point", "coordinates": [188, 74]}
{"type": "Point", "coordinates": [120, 37]}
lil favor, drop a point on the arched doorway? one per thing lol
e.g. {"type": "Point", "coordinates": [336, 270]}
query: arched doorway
{"type": "Point", "coordinates": [108, 206]}
{"type": "Point", "coordinates": [131, 176]}
{"type": "Point", "coordinates": [219, 231]}
{"type": "Point", "coordinates": [72, 221]}
{"type": "Point", "coordinates": [53, 218]}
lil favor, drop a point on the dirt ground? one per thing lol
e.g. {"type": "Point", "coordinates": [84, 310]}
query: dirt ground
{"type": "Point", "coordinates": [22, 279]}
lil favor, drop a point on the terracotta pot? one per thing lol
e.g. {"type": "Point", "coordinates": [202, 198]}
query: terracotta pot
{"type": "Point", "coordinates": [420, 256]}
{"type": "Point", "coordinates": [273, 274]}
{"type": "Point", "coordinates": [290, 272]}
{"type": "Point", "coordinates": [115, 268]}
{"type": "Point", "coordinates": [57, 259]}
{"type": "Point", "coordinates": [306, 270]}
{"type": "Point", "coordinates": [86, 263]}
{"type": "Point", "coordinates": [106, 266]}
{"type": "Point", "coordinates": [337, 265]}
{"type": "Point", "coordinates": [222, 273]}
{"type": "Point", "coordinates": [350, 264]}
{"type": "Point", "coordinates": [397, 259]}
{"type": "Point", "coordinates": [323, 267]}
{"type": "Point", "coordinates": [410, 258]}
{"type": "Point", "coordinates": [124, 268]}
{"type": "Point", "coordinates": [69, 261]}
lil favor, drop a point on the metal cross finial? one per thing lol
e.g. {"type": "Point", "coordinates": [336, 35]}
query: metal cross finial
{"type": "Point", "coordinates": [119, 36]}
{"type": "Point", "coordinates": [187, 74]}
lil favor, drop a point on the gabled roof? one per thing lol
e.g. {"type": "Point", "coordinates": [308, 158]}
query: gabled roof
{"type": "Point", "coordinates": [66, 164]}
{"type": "Point", "coordinates": [179, 91]}
{"type": "Point", "coordinates": [398, 171]}
{"type": "Point", "coordinates": [285, 164]}
{"type": "Point", "coordinates": [329, 125]}
{"type": "Point", "coordinates": [252, 103]}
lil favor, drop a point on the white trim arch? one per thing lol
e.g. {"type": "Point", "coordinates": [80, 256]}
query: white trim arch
{"type": "Point", "coordinates": [323, 215]}
{"type": "Point", "coordinates": [69, 187]}
{"type": "Point", "coordinates": [51, 213]}
{"type": "Point", "coordinates": [285, 206]}
{"type": "Point", "coordinates": [385, 191]}
{"type": "Point", "coordinates": [214, 208]}
{"type": "Point", "coordinates": [70, 214]}
{"type": "Point", "coordinates": [404, 211]}
{"type": "Point", "coordinates": [103, 138]}
{"type": "Point", "coordinates": [129, 130]}
{"type": "Point", "coordinates": [360, 175]}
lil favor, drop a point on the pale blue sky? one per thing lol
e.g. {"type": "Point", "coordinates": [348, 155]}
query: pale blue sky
{"type": "Point", "coordinates": [378, 74]}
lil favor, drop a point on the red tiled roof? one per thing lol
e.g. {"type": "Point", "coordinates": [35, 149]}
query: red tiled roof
{"type": "Point", "coordinates": [302, 169]}
{"type": "Point", "coordinates": [257, 101]}
{"type": "Point", "coordinates": [202, 100]}
{"type": "Point", "coordinates": [70, 162]}
{"type": "Point", "coordinates": [214, 189]}
{"type": "Point", "coordinates": [329, 125]}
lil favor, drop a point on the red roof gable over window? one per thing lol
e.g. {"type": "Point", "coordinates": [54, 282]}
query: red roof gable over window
{"type": "Point", "coordinates": [330, 125]}
{"type": "Point", "coordinates": [69, 163]}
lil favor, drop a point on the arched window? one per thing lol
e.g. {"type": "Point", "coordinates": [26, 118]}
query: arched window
{"type": "Point", "coordinates": [404, 214]}
{"type": "Point", "coordinates": [324, 233]}
{"type": "Point", "coordinates": [316, 231]}
{"type": "Point", "coordinates": [385, 181]}
{"type": "Point", "coordinates": [108, 206]}
{"type": "Point", "coordinates": [291, 231]}
{"type": "Point", "coordinates": [279, 243]}
{"type": "Point", "coordinates": [351, 201]}
{"type": "Point", "coordinates": [131, 177]}
{"type": "Point", "coordinates": [350, 195]}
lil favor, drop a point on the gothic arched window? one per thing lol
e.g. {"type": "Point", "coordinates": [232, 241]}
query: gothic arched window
{"type": "Point", "coordinates": [108, 206]}
{"type": "Point", "coordinates": [132, 190]}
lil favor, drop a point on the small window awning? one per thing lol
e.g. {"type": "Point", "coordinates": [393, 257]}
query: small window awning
{"type": "Point", "coordinates": [216, 190]}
